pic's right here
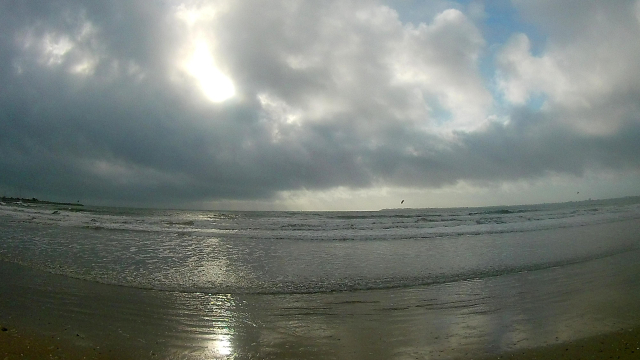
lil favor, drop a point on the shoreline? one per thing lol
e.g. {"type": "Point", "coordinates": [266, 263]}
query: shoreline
{"type": "Point", "coordinates": [621, 344]}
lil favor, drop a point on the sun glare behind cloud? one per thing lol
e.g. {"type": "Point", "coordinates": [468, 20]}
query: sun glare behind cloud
{"type": "Point", "coordinates": [216, 86]}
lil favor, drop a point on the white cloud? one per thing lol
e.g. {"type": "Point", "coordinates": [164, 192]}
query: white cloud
{"type": "Point", "coordinates": [522, 75]}
{"type": "Point", "coordinates": [591, 57]}
{"type": "Point", "coordinates": [440, 61]}
{"type": "Point", "coordinates": [357, 58]}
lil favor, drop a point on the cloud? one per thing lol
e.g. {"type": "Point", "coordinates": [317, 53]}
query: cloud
{"type": "Point", "coordinates": [588, 66]}
{"type": "Point", "coordinates": [131, 102]}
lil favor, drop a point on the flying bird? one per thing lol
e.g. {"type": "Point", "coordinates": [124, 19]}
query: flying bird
{"type": "Point", "coordinates": [402, 202]}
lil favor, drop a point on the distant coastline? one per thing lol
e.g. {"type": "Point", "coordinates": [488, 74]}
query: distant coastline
{"type": "Point", "coordinates": [630, 199]}
{"type": "Point", "coordinates": [12, 200]}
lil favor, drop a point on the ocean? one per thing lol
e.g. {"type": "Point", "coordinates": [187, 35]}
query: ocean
{"type": "Point", "coordinates": [288, 284]}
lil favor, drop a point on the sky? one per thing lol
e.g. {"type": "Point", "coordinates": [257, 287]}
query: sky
{"type": "Point", "coordinates": [319, 105]}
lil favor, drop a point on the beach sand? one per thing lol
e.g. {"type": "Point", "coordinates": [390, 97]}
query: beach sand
{"type": "Point", "coordinates": [20, 344]}
{"type": "Point", "coordinates": [622, 344]}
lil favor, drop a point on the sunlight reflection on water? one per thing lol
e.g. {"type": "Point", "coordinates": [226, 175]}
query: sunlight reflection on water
{"type": "Point", "coordinates": [222, 345]}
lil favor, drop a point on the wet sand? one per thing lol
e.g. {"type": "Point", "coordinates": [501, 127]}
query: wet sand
{"type": "Point", "coordinates": [20, 344]}
{"type": "Point", "coordinates": [623, 344]}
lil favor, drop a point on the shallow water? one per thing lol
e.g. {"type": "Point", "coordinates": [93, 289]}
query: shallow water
{"type": "Point", "coordinates": [303, 252]}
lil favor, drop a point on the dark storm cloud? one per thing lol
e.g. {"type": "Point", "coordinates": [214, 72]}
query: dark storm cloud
{"type": "Point", "coordinates": [94, 105]}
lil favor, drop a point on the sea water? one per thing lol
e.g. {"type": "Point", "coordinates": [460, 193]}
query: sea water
{"type": "Point", "coordinates": [389, 284]}
{"type": "Point", "coordinates": [304, 252]}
